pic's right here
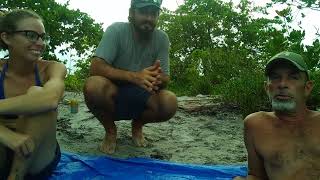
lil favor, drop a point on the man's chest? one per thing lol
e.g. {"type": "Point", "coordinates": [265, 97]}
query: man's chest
{"type": "Point", "coordinates": [137, 52]}
{"type": "Point", "coordinates": [297, 150]}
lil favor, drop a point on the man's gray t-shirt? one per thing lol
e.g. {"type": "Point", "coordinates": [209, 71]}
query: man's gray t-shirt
{"type": "Point", "coordinates": [119, 49]}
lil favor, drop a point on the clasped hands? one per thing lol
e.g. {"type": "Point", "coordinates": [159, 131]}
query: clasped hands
{"type": "Point", "coordinates": [149, 78]}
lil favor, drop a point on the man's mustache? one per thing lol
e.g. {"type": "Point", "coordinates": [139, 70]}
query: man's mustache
{"type": "Point", "coordinates": [148, 22]}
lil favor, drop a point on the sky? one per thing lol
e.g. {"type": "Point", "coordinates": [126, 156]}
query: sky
{"type": "Point", "coordinates": [103, 11]}
{"type": "Point", "coordinates": [109, 11]}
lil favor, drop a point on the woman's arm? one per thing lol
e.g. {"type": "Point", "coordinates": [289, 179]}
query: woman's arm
{"type": "Point", "coordinates": [38, 99]}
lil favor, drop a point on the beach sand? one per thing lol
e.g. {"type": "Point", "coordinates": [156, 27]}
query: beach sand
{"type": "Point", "coordinates": [203, 131]}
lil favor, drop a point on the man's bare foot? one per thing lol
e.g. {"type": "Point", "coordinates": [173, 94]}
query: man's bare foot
{"type": "Point", "coordinates": [137, 134]}
{"type": "Point", "coordinates": [108, 145]}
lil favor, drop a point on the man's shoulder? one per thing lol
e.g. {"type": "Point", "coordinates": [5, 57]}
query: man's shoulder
{"type": "Point", "coordinates": [260, 114]}
{"type": "Point", "coordinates": [161, 34]}
{"type": "Point", "coordinates": [119, 26]}
{"type": "Point", "coordinates": [259, 117]}
{"type": "Point", "coordinates": [159, 31]}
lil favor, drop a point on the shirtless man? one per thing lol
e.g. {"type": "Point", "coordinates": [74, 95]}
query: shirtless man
{"type": "Point", "coordinates": [284, 144]}
{"type": "Point", "coordinates": [30, 89]}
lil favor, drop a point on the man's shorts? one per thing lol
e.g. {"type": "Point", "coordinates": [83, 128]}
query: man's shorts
{"type": "Point", "coordinates": [43, 174]}
{"type": "Point", "coordinates": [130, 102]}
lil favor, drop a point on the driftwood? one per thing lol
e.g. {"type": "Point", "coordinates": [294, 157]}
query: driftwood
{"type": "Point", "coordinates": [203, 104]}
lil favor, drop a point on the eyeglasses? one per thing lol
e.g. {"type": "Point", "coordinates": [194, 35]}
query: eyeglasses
{"type": "Point", "coordinates": [34, 36]}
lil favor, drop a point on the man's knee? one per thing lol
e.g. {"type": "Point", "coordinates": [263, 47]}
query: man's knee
{"type": "Point", "coordinates": [92, 85]}
{"type": "Point", "coordinates": [99, 92]}
{"type": "Point", "coordinates": [99, 87]}
{"type": "Point", "coordinates": [167, 105]}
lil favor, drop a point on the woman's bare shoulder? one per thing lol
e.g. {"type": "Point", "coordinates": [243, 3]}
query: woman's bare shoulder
{"type": "Point", "coordinates": [45, 69]}
{"type": "Point", "coordinates": [45, 64]}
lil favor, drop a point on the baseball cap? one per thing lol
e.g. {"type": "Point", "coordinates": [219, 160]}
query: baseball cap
{"type": "Point", "coordinates": [144, 3]}
{"type": "Point", "coordinates": [294, 58]}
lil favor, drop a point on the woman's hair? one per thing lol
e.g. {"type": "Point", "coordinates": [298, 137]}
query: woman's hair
{"type": "Point", "coordinates": [9, 21]}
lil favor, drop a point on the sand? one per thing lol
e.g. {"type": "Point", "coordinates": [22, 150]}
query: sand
{"type": "Point", "coordinates": [203, 131]}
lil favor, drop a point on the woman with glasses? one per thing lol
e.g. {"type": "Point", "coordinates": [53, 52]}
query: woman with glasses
{"type": "Point", "coordinates": [30, 89]}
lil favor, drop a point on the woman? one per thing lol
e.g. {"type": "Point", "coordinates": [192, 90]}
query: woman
{"type": "Point", "coordinates": [30, 89]}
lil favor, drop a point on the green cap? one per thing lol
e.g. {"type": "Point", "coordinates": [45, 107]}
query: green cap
{"type": "Point", "coordinates": [294, 58]}
{"type": "Point", "coordinates": [144, 3]}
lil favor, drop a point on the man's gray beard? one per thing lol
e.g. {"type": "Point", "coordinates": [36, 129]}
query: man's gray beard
{"type": "Point", "coordinates": [283, 106]}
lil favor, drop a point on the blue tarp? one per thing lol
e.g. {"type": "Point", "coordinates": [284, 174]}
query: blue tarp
{"type": "Point", "coordinates": [73, 166]}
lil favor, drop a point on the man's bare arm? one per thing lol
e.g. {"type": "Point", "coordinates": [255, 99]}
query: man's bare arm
{"type": "Point", "coordinates": [256, 170]}
{"type": "Point", "coordinates": [38, 99]}
{"type": "Point", "coordinates": [143, 78]}
{"type": "Point", "coordinates": [100, 68]}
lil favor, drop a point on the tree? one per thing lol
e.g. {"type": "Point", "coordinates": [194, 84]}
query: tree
{"type": "Point", "coordinates": [300, 4]}
{"type": "Point", "coordinates": [69, 29]}
{"type": "Point", "coordinates": [218, 39]}
{"type": "Point", "coordinates": [219, 47]}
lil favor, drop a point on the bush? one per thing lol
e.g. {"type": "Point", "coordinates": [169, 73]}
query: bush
{"type": "Point", "coordinates": [180, 89]}
{"type": "Point", "coordinates": [73, 83]}
{"type": "Point", "coordinates": [246, 91]}
{"type": "Point", "coordinates": [314, 99]}
{"type": "Point", "coordinates": [200, 85]}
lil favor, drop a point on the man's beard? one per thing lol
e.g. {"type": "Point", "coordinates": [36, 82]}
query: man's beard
{"type": "Point", "coordinates": [283, 106]}
{"type": "Point", "coordinates": [286, 106]}
{"type": "Point", "coordinates": [144, 33]}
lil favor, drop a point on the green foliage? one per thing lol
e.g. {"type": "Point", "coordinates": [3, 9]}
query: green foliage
{"type": "Point", "coordinates": [218, 40]}
{"type": "Point", "coordinates": [73, 83]}
{"type": "Point", "coordinates": [202, 85]}
{"type": "Point", "coordinates": [219, 47]}
{"type": "Point", "coordinates": [82, 69]}
{"type": "Point", "coordinates": [246, 91]}
{"type": "Point", "coordinates": [69, 29]}
{"type": "Point", "coordinates": [314, 99]}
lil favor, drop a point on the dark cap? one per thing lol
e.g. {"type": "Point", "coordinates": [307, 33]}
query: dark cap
{"type": "Point", "coordinates": [144, 3]}
{"type": "Point", "coordinates": [293, 58]}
